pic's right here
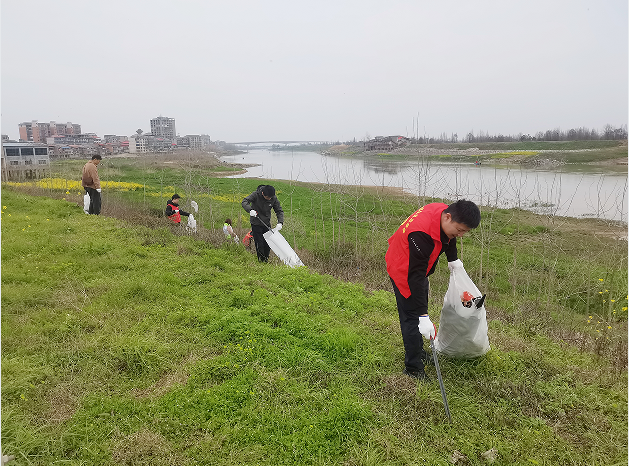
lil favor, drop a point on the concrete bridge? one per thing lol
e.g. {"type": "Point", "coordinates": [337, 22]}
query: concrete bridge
{"type": "Point", "coordinates": [247, 143]}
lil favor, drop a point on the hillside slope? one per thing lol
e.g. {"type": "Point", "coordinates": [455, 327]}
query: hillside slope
{"type": "Point", "coordinates": [128, 345]}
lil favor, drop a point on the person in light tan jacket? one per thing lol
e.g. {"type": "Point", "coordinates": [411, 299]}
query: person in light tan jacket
{"type": "Point", "coordinates": [91, 183]}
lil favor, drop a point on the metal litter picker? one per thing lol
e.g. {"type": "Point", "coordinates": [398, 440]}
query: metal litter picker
{"type": "Point", "coordinates": [443, 389]}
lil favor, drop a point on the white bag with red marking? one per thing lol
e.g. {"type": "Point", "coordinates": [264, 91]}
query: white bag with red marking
{"type": "Point", "coordinates": [463, 322]}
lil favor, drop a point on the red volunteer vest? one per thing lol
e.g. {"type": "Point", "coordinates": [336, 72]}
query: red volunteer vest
{"type": "Point", "coordinates": [247, 239]}
{"type": "Point", "coordinates": [176, 217]}
{"type": "Point", "coordinates": [426, 219]}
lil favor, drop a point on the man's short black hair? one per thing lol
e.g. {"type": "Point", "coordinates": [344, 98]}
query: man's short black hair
{"type": "Point", "coordinates": [97, 157]}
{"type": "Point", "coordinates": [176, 196]}
{"type": "Point", "coordinates": [465, 212]}
{"type": "Point", "coordinates": [268, 190]}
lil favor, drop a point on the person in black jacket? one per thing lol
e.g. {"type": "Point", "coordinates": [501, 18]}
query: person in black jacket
{"type": "Point", "coordinates": [173, 211]}
{"type": "Point", "coordinates": [259, 205]}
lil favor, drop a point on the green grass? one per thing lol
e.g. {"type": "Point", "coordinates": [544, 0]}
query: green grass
{"type": "Point", "coordinates": [531, 145]}
{"type": "Point", "coordinates": [124, 344]}
{"type": "Point", "coordinates": [579, 152]}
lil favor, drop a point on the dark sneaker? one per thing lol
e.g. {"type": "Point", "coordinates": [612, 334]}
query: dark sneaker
{"type": "Point", "coordinates": [419, 375]}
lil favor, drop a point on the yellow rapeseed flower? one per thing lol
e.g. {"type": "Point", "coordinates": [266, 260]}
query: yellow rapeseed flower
{"type": "Point", "coordinates": [613, 300]}
{"type": "Point", "coordinates": [600, 280]}
{"type": "Point", "coordinates": [609, 326]}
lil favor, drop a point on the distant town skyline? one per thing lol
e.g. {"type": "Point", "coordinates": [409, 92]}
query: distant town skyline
{"type": "Point", "coordinates": [283, 70]}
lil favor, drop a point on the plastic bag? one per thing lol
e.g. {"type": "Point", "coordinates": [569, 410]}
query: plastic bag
{"type": "Point", "coordinates": [192, 223]}
{"type": "Point", "coordinates": [463, 322]}
{"type": "Point", "coordinates": [280, 246]}
{"type": "Point", "coordinates": [86, 203]}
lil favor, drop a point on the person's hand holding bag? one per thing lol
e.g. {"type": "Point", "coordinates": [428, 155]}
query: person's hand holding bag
{"type": "Point", "coordinates": [457, 264]}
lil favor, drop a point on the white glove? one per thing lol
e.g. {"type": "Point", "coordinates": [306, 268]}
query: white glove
{"type": "Point", "coordinates": [457, 264]}
{"type": "Point", "coordinates": [278, 227]}
{"type": "Point", "coordinates": [98, 190]}
{"type": "Point", "coordinates": [253, 213]}
{"type": "Point", "coordinates": [427, 328]}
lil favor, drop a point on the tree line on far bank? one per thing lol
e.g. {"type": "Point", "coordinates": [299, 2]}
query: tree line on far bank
{"type": "Point", "coordinates": [609, 133]}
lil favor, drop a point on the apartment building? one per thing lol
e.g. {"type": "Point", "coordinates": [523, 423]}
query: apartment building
{"type": "Point", "coordinates": [138, 144]}
{"type": "Point", "coordinates": [198, 141]}
{"type": "Point", "coordinates": [163, 127]}
{"type": "Point", "coordinates": [112, 138]}
{"type": "Point", "coordinates": [142, 144]}
{"type": "Point", "coordinates": [65, 139]}
{"type": "Point", "coordinates": [40, 131]}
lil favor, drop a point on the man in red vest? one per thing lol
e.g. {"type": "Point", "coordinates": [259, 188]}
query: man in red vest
{"type": "Point", "coordinates": [412, 256]}
{"type": "Point", "coordinates": [173, 211]}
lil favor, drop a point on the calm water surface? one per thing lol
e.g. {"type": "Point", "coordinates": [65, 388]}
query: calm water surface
{"type": "Point", "coordinates": [556, 192]}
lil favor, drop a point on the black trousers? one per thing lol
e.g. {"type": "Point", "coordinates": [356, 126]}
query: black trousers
{"type": "Point", "coordinates": [94, 201]}
{"type": "Point", "coordinates": [262, 247]}
{"type": "Point", "coordinates": [415, 355]}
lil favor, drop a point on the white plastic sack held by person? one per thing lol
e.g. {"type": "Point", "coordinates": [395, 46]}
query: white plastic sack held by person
{"type": "Point", "coordinates": [86, 204]}
{"type": "Point", "coordinates": [192, 224]}
{"type": "Point", "coordinates": [281, 248]}
{"type": "Point", "coordinates": [463, 321]}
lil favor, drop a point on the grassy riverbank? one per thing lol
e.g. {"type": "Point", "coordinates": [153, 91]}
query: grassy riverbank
{"type": "Point", "coordinates": [610, 154]}
{"type": "Point", "coordinates": [127, 341]}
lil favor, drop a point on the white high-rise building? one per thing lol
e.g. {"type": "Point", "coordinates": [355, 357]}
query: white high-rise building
{"type": "Point", "coordinates": [163, 127]}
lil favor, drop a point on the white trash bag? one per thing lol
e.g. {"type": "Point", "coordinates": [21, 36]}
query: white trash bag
{"type": "Point", "coordinates": [463, 322]}
{"type": "Point", "coordinates": [192, 223]}
{"type": "Point", "coordinates": [280, 246]}
{"type": "Point", "coordinates": [86, 203]}
{"type": "Point", "coordinates": [195, 206]}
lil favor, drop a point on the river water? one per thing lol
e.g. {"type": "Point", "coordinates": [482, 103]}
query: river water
{"type": "Point", "coordinates": [560, 192]}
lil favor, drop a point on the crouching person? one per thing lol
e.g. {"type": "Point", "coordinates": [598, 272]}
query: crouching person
{"type": "Point", "coordinates": [173, 211]}
{"type": "Point", "coordinates": [228, 231]}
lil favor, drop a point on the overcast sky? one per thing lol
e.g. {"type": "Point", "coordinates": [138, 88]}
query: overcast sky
{"type": "Point", "coordinates": [244, 70]}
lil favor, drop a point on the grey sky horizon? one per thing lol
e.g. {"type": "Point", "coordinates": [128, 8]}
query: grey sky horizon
{"type": "Point", "coordinates": [285, 70]}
